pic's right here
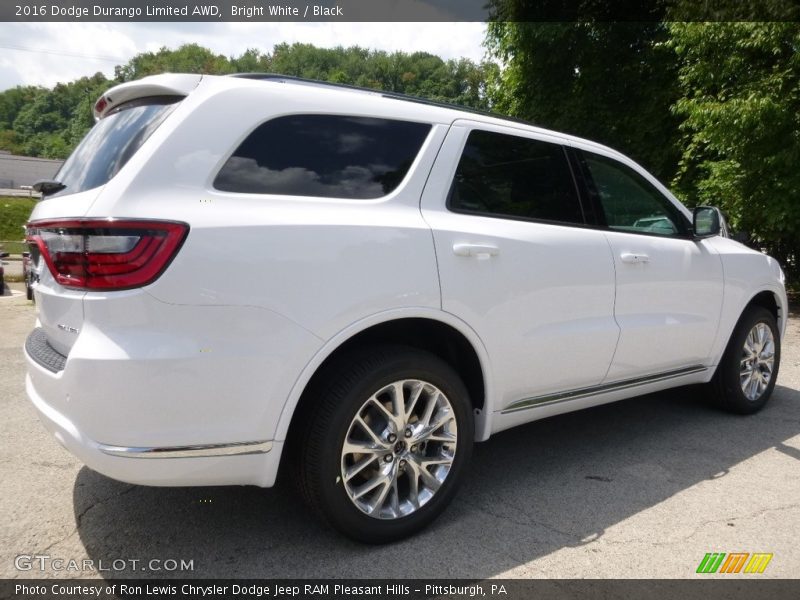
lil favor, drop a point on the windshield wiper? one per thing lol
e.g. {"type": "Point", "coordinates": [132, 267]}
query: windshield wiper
{"type": "Point", "coordinates": [48, 186]}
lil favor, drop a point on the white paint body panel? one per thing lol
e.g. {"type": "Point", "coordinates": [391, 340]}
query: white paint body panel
{"type": "Point", "coordinates": [546, 298]}
{"type": "Point", "coordinates": [668, 307]}
{"type": "Point", "coordinates": [220, 348]}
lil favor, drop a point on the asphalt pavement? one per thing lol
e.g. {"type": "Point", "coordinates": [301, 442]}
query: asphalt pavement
{"type": "Point", "coordinates": [638, 489]}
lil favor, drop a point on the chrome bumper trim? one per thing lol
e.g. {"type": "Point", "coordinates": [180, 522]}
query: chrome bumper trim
{"type": "Point", "coordinates": [235, 449]}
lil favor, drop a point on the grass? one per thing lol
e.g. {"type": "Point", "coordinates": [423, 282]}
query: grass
{"type": "Point", "coordinates": [13, 246]}
{"type": "Point", "coordinates": [14, 213]}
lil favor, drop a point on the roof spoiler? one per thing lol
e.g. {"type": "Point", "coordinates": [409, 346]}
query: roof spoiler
{"type": "Point", "coordinates": [167, 84]}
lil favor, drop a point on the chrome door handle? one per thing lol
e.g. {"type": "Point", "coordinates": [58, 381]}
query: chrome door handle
{"type": "Point", "coordinates": [631, 257]}
{"type": "Point", "coordinates": [479, 251]}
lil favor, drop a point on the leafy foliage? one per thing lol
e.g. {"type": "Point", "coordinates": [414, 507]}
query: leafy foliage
{"type": "Point", "coordinates": [610, 82]}
{"type": "Point", "coordinates": [189, 58]}
{"type": "Point", "coordinates": [418, 74]}
{"type": "Point", "coordinates": [14, 213]}
{"type": "Point", "coordinates": [741, 124]}
{"type": "Point", "coordinates": [37, 121]}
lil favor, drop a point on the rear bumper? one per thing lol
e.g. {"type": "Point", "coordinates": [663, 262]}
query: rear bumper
{"type": "Point", "coordinates": [161, 394]}
{"type": "Point", "coordinates": [213, 464]}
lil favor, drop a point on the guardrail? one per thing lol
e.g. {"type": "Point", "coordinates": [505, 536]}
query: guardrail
{"type": "Point", "coordinates": [24, 191]}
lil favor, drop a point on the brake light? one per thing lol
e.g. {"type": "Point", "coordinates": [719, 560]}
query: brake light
{"type": "Point", "coordinates": [106, 254]}
{"type": "Point", "coordinates": [100, 105]}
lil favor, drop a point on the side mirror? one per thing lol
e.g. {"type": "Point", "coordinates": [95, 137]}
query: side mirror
{"type": "Point", "coordinates": [706, 222]}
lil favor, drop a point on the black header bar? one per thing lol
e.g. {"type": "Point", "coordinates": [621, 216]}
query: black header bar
{"type": "Point", "coordinates": [397, 10]}
{"type": "Point", "coordinates": [735, 587]}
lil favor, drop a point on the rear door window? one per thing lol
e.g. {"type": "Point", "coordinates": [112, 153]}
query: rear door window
{"type": "Point", "coordinates": [515, 177]}
{"type": "Point", "coordinates": [112, 142]}
{"type": "Point", "coordinates": [324, 156]}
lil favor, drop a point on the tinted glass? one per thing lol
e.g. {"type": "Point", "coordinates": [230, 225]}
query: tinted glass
{"type": "Point", "coordinates": [324, 155]}
{"type": "Point", "coordinates": [512, 176]}
{"type": "Point", "coordinates": [111, 143]}
{"type": "Point", "coordinates": [629, 201]}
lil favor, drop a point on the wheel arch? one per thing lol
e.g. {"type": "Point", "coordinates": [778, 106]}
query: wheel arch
{"type": "Point", "coordinates": [427, 329]}
{"type": "Point", "coordinates": [727, 388]}
{"type": "Point", "coordinates": [769, 300]}
{"type": "Point", "coordinates": [766, 297]}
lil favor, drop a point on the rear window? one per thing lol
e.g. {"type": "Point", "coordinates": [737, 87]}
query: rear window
{"type": "Point", "coordinates": [112, 142]}
{"type": "Point", "coordinates": [324, 156]}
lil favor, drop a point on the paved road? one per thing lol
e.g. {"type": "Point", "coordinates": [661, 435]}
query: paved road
{"type": "Point", "coordinates": [642, 488]}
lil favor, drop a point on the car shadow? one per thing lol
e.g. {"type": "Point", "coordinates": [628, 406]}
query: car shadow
{"type": "Point", "coordinates": [530, 491]}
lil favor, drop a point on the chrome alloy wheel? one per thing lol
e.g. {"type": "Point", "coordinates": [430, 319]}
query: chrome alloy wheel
{"type": "Point", "coordinates": [399, 449]}
{"type": "Point", "coordinates": [757, 362]}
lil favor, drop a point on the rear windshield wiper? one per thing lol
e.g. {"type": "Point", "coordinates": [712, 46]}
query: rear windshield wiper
{"type": "Point", "coordinates": [48, 186]}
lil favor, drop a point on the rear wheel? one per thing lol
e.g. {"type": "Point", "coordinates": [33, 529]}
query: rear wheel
{"type": "Point", "coordinates": [386, 443]}
{"type": "Point", "coordinates": [746, 375]}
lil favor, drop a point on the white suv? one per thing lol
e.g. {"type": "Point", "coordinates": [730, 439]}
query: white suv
{"type": "Point", "coordinates": [238, 270]}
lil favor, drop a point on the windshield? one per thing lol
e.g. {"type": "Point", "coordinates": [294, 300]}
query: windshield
{"type": "Point", "coordinates": [111, 143]}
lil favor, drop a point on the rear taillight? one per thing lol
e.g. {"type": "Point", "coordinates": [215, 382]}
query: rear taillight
{"type": "Point", "coordinates": [106, 254]}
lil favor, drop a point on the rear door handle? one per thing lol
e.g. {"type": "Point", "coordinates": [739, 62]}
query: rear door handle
{"type": "Point", "coordinates": [479, 251]}
{"type": "Point", "coordinates": [634, 257]}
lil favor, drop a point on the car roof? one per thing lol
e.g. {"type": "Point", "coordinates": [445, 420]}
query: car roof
{"type": "Point", "coordinates": [409, 106]}
{"type": "Point", "coordinates": [432, 110]}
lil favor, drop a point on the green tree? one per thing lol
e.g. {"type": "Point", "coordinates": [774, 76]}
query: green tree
{"type": "Point", "coordinates": [741, 125]}
{"type": "Point", "coordinates": [251, 61]}
{"type": "Point", "coordinates": [611, 82]}
{"type": "Point", "coordinates": [50, 122]}
{"type": "Point", "coordinates": [418, 74]}
{"type": "Point", "coordinates": [12, 101]}
{"type": "Point", "coordinates": [189, 58]}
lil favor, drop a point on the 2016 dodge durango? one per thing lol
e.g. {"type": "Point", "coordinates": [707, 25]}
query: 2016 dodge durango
{"type": "Point", "coordinates": [238, 273]}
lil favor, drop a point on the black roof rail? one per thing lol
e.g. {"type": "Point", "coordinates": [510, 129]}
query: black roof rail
{"type": "Point", "coordinates": [302, 81]}
{"type": "Point", "coordinates": [385, 94]}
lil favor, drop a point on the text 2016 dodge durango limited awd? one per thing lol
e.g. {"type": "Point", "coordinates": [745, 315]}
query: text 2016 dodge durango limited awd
{"type": "Point", "coordinates": [240, 271]}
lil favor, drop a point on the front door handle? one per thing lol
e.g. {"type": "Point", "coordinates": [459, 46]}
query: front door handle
{"type": "Point", "coordinates": [634, 257]}
{"type": "Point", "coordinates": [479, 251]}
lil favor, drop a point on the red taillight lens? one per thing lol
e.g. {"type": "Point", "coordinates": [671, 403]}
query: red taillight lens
{"type": "Point", "coordinates": [107, 254]}
{"type": "Point", "coordinates": [100, 104]}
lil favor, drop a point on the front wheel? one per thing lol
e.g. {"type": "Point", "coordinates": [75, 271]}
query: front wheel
{"type": "Point", "coordinates": [746, 375]}
{"type": "Point", "coordinates": [386, 443]}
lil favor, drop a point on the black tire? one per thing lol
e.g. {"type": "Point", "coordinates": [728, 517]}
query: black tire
{"type": "Point", "coordinates": [726, 389]}
{"type": "Point", "coordinates": [28, 291]}
{"type": "Point", "coordinates": [338, 395]}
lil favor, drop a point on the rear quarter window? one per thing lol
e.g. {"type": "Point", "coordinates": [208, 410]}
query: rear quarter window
{"type": "Point", "coordinates": [324, 156]}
